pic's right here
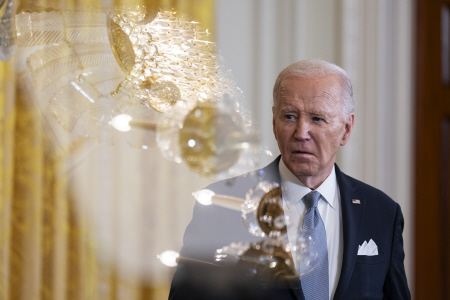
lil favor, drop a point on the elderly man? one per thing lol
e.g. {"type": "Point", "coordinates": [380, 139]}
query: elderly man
{"type": "Point", "coordinates": [357, 229]}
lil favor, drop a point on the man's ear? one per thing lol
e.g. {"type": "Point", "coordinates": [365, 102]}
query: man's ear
{"type": "Point", "coordinates": [348, 128]}
{"type": "Point", "coordinates": [273, 122]}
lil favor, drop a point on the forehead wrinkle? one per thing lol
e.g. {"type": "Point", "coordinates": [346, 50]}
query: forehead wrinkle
{"type": "Point", "coordinates": [314, 110]}
{"type": "Point", "coordinates": [333, 94]}
{"type": "Point", "coordinates": [319, 112]}
{"type": "Point", "coordinates": [328, 94]}
{"type": "Point", "coordinates": [333, 100]}
{"type": "Point", "coordinates": [283, 93]}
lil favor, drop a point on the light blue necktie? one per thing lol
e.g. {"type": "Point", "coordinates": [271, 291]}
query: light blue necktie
{"type": "Point", "coordinates": [315, 281]}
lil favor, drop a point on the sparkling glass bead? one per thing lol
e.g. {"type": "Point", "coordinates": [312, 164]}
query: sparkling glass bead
{"type": "Point", "coordinates": [270, 214]}
{"type": "Point", "coordinates": [253, 216]}
{"type": "Point", "coordinates": [162, 95]}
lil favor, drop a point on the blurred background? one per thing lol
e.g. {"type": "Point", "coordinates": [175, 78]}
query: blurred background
{"type": "Point", "coordinates": [82, 218]}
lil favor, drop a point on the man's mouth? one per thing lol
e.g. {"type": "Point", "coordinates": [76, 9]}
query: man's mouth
{"type": "Point", "coordinates": [302, 152]}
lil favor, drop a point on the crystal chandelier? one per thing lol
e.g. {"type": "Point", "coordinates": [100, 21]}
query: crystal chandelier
{"type": "Point", "coordinates": [158, 69]}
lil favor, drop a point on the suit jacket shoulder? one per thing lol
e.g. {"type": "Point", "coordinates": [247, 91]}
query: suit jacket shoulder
{"type": "Point", "coordinates": [213, 227]}
{"type": "Point", "coordinates": [376, 201]}
{"type": "Point", "coordinates": [357, 184]}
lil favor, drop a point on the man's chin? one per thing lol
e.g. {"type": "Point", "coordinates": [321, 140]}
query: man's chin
{"type": "Point", "coordinates": [302, 169]}
{"type": "Point", "coordinates": [304, 173]}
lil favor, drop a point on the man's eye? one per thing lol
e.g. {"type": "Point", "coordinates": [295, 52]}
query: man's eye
{"type": "Point", "coordinates": [317, 119]}
{"type": "Point", "coordinates": [289, 117]}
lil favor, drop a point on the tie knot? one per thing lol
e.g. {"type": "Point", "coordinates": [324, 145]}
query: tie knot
{"type": "Point", "coordinates": [311, 199]}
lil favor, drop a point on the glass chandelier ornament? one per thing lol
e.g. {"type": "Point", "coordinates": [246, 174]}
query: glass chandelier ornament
{"type": "Point", "coordinates": [204, 139]}
{"type": "Point", "coordinates": [80, 95]}
{"type": "Point", "coordinates": [209, 137]}
{"type": "Point", "coordinates": [167, 59]}
{"type": "Point", "coordinates": [263, 214]}
{"type": "Point", "coordinates": [50, 28]}
{"type": "Point", "coordinates": [270, 258]}
{"type": "Point", "coordinates": [267, 261]}
{"type": "Point", "coordinates": [262, 211]}
{"type": "Point", "coordinates": [72, 69]}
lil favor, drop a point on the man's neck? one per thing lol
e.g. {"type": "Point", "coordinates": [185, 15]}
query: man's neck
{"type": "Point", "coordinates": [313, 182]}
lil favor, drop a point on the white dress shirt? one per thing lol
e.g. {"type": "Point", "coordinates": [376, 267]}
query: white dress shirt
{"type": "Point", "coordinates": [329, 206]}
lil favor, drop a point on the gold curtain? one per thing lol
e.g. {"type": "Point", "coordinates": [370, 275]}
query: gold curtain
{"type": "Point", "coordinates": [47, 250]}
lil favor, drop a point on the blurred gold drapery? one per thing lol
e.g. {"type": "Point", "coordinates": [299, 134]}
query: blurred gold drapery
{"type": "Point", "coordinates": [46, 248]}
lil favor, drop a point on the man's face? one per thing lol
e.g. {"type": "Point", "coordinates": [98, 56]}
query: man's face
{"type": "Point", "coordinates": [309, 126]}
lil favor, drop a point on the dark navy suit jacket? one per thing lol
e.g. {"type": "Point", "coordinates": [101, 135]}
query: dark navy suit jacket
{"type": "Point", "coordinates": [377, 217]}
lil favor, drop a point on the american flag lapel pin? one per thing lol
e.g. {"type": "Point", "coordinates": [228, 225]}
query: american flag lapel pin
{"type": "Point", "coordinates": [356, 201]}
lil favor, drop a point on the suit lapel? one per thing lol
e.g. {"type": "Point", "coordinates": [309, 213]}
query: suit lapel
{"type": "Point", "coordinates": [352, 215]}
{"type": "Point", "coordinates": [271, 171]}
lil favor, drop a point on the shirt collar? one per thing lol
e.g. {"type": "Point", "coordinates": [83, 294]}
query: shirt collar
{"type": "Point", "coordinates": [293, 189]}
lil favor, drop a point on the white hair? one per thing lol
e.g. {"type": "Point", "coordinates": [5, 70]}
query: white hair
{"type": "Point", "coordinates": [314, 68]}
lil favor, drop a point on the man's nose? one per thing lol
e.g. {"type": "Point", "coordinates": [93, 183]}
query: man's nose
{"type": "Point", "coordinates": [303, 129]}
